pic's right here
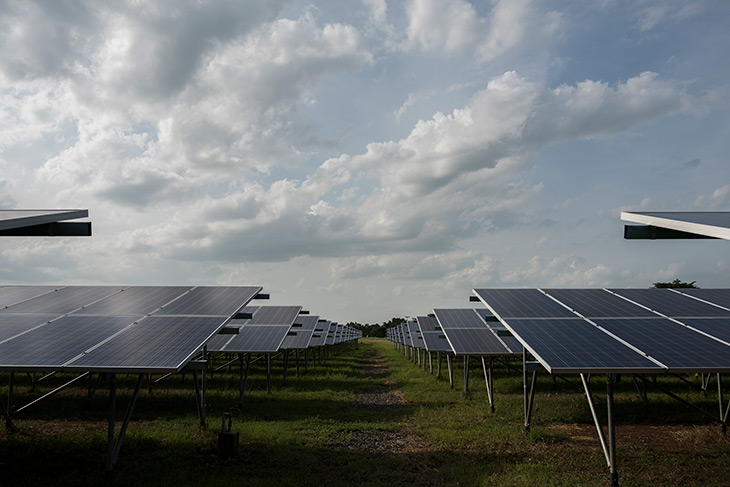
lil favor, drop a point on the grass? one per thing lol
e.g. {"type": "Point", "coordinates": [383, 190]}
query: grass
{"type": "Point", "coordinates": [317, 430]}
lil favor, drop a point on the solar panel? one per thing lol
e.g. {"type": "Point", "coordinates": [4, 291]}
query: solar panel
{"type": "Point", "coordinates": [149, 345]}
{"type": "Point", "coordinates": [23, 218]}
{"type": "Point", "coordinates": [65, 300]}
{"type": "Point", "coordinates": [256, 339]}
{"type": "Point", "coordinates": [672, 344]}
{"type": "Point", "coordinates": [220, 300]}
{"type": "Point", "coordinates": [428, 323]}
{"type": "Point", "coordinates": [275, 315]}
{"type": "Point", "coordinates": [435, 341]}
{"type": "Point", "coordinates": [458, 318]}
{"type": "Point", "coordinates": [10, 295]}
{"type": "Point", "coordinates": [138, 300]}
{"type": "Point", "coordinates": [301, 334]}
{"type": "Point", "coordinates": [670, 303]}
{"type": "Point", "coordinates": [80, 321]}
{"type": "Point", "coordinates": [319, 335]}
{"type": "Point", "coordinates": [720, 297]}
{"type": "Point", "coordinates": [598, 303]}
{"type": "Point", "coordinates": [56, 343]}
{"type": "Point", "coordinates": [717, 327]}
{"type": "Point", "coordinates": [710, 223]}
{"type": "Point", "coordinates": [12, 325]}
{"type": "Point", "coordinates": [521, 303]}
{"type": "Point", "coordinates": [468, 334]}
{"type": "Point", "coordinates": [574, 345]}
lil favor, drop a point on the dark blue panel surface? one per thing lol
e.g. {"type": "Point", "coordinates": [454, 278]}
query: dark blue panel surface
{"type": "Point", "coordinates": [222, 301]}
{"type": "Point", "coordinates": [672, 344]}
{"type": "Point", "coordinates": [15, 294]}
{"type": "Point", "coordinates": [56, 343]}
{"type": "Point", "coordinates": [597, 303]}
{"type": "Point", "coordinates": [11, 325]}
{"type": "Point", "coordinates": [428, 323]}
{"type": "Point", "coordinates": [63, 301]}
{"type": "Point", "coordinates": [137, 300]}
{"type": "Point", "coordinates": [435, 341]}
{"type": "Point", "coordinates": [299, 336]}
{"type": "Point", "coordinates": [670, 303]}
{"type": "Point", "coordinates": [459, 318]}
{"type": "Point", "coordinates": [275, 315]}
{"type": "Point", "coordinates": [720, 297]}
{"type": "Point", "coordinates": [155, 344]}
{"type": "Point", "coordinates": [522, 303]}
{"type": "Point", "coordinates": [717, 327]}
{"type": "Point", "coordinates": [475, 341]}
{"type": "Point", "coordinates": [574, 345]}
{"type": "Point", "coordinates": [257, 338]}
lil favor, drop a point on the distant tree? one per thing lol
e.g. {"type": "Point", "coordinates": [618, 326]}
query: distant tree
{"type": "Point", "coordinates": [675, 284]}
{"type": "Point", "coordinates": [376, 330]}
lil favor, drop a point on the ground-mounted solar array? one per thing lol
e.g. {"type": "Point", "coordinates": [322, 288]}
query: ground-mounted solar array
{"type": "Point", "coordinates": [617, 330]}
{"type": "Point", "coordinates": [112, 328]}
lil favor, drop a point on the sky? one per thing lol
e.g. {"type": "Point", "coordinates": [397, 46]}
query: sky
{"type": "Point", "coordinates": [364, 159]}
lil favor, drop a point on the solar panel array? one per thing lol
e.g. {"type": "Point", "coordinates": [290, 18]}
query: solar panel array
{"type": "Point", "coordinates": [618, 330]}
{"type": "Point", "coordinates": [112, 328]}
{"type": "Point", "coordinates": [468, 333]}
{"type": "Point", "coordinates": [434, 338]}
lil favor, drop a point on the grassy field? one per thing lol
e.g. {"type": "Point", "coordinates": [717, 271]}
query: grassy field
{"type": "Point", "coordinates": [367, 416]}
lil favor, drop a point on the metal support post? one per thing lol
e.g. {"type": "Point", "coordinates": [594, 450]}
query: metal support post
{"type": "Point", "coordinates": [438, 364]}
{"type": "Point", "coordinates": [286, 364]}
{"type": "Point", "coordinates": [466, 373]}
{"type": "Point", "coordinates": [488, 380]}
{"type": "Point", "coordinates": [268, 373]}
{"type": "Point", "coordinates": [243, 377]}
{"type": "Point", "coordinates": [113, 447]}
{"type": "Point", "coordinates": [529, 393]}
{"type": "Point", "coordinates": [451, 370]}
{"type": "Point", "coordinates": [611, 432]}
{"type": "Point", "coordinates": [430, 363]}
{"type": "Point", "coordinates": [599, 429]}
{"type": "Point", "coordinates": [296, 356]}
{"type": "Point", "coordinates": [306, 360]}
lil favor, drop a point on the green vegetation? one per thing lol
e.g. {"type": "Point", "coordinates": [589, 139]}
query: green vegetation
{"type": "Point", "coordinates": [367, 416]}
{"type": "Point", "coordinates": [675, 284]}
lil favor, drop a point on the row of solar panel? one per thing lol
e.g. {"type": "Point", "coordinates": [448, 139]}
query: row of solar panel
{"type": "Point", "coordinates": [273, 328]}
{"type": "Point", "coordinates": [618, 330]}
{"type": "Point", "coordinates": [458, 331]}
{"type": "Point", "coordinates": [137, 328]}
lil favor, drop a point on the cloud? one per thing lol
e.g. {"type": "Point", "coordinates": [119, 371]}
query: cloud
{"type": "Point", "coordinates": [719, 199]}
{"type": "Point", "coordinates": [229, 119]}
{"type": "Point", "coordinates": [447, 25]}
{"type": "Point", "coordinates": [455, 176]}
{"type": "Point", "coordinates": [563, 271]}
{"type": "Point", "coordinates": [452, 26]}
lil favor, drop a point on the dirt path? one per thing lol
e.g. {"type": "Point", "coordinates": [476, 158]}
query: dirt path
{"type": "Point", "coordinates": [387, 399]}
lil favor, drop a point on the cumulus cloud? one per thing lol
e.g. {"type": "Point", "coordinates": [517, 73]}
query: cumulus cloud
{"type": "Point", "coordinates": [451, 26]}
{"type": "Point", "coordinates": [563, 271]}
{"type": "Point", "coordinates": [453, 177]}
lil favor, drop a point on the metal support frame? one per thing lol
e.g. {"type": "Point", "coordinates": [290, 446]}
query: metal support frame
{"type": "Point", "coordinates": [286, 364]}
{"type": "Point", "coordinates": [723, 414]}
{"type": "Point", "coordinates": [438, 364]}
{"type": "Point", "coordinates": [114, 446]}
{"type": "Point", "coordinates": [451, 370]}
{"type": "Point", "coordinates": [488, 380]}
{"type": "Point", "coordinates": [268, 373]}
{"type": "Point", "coordinates": [430, 363]}
{"type": "Point", "coordinates": [609, 447]}
{"type": "Point", "coordinates": [466, 372]}
{"type": "Point", "coordinates": [243, 377]}
{"type": "Point", "coordinates": [529, 393]}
